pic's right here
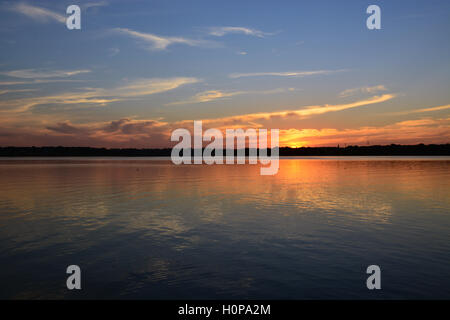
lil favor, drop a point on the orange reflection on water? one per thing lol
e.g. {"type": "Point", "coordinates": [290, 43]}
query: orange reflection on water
{"type": "Point", "coordinates": [87, 190]}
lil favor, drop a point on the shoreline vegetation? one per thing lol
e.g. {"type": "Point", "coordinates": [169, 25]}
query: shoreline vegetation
{"type": "Point", "coordinates": [374, 150]}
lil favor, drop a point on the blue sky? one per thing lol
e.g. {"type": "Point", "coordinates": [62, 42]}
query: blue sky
{"type": "Point", "coordinates": [138, 69]}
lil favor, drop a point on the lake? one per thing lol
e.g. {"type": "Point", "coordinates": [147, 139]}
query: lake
{"type": "Point", "coordinates": [143, 228]}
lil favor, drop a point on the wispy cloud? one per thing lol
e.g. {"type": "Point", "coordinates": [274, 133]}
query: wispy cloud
{"type": "Point", "coordinates": [156, 42]}
{"type": "Point", "coordinates": [264, 119]}
{"type": "Point", "coordinates": [113, 51]}
{"type": "Point", "coordinates": [95, 4]}
{"type": "Point", "coordinates": [100, 96]}
{"type": "Point", "coordinates": [207, 96]}
{"type": "Point", "coordinates": [34, 74]}
{"type": "Point", "coordinates": [423, 110]}
{"type": "Point", "coordinates": [222, 31]}
{"type": "Point", "coordinates": [284, 74]}
{"type": "Point", "coordinates": [316, 110]}
{"type": "Point", "coordinates": [144, 87]}
{"type": "Point", "coordinates": [37, 13]}
{"type": "Point", "coordinates": [212, 95]}
{"type": "Point", "coordinates": [432, 109]}
{"type": "Point", "coordinates": [14, 91]}
{"type": "Point", "coordinates": [369, 90]}
{"type": "Point", "coordinates": [37, 81]}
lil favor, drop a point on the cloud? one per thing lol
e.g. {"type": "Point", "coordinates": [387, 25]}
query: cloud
{"type": "Point", "coordinates": [37, 13]}
{"type": "Point", "coordinates": [222, 31]}
{"type": "Point", "coordinates": [18, 90]}
{"type": "Point", "coordinates": [432, 109]}
{"type": "Point", "coordinates": [113, 51]}
{"type": "Point", "coordinates": [37, 81]}
{"type": "Point", "coordinates": [127, 133]}
{"type": "Point", "coordinates": [370, 90]}
{"type": "Point", "coordinates": [212, 95]}
{"type": "Point", "coordinates": [13, 83]}
{"type": "Point", "coordinates": [25, 104]}
{"type": "Point", "coordinates": [95, 4]}
{"type": "Point", "coordinates": [125, 126]}
{"type": "Point", "coordinates": [404, 132]}
{"type": "Point", "coordinates": [144, 87]}
{"type": "Point", "coordinates": [33, 73]}
{"type": "Point", "coordinates": [283, 74]}
{"type": "Point", "coordinates": [208, 96]}
{"type": "Point", "coordinates": [266, 119]}
{"type": "Point", "coordinates": [100, 96]}
{"type": "Point", "coordinates": [155, 133]}
{"type": "Point", "coordinates": [117, 133]}
{"type": "Point", "coordinates": [67, 128]}
{"type": "Point", "coordinates": [156, 42]}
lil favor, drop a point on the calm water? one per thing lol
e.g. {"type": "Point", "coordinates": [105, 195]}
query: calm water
{"type": "Point", "coordinates": [144, 228]}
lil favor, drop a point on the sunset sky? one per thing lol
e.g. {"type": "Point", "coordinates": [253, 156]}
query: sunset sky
{"type": "Point", "coordinates": [137, 70]}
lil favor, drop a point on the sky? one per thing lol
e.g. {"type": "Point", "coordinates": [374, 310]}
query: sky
{"type": "Point", "coordinates": [137, 70]}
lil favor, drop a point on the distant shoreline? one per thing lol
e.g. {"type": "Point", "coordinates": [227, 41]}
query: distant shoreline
{"type": "Point", "coordinates": [375, 150]}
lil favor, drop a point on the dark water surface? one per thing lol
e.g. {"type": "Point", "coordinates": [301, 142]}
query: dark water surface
{"type": "Point", "coordinates": [145, 228]}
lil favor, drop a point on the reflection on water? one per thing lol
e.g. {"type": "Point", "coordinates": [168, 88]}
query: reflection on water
{"type": "Point", "coordinates": [144, 228]}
